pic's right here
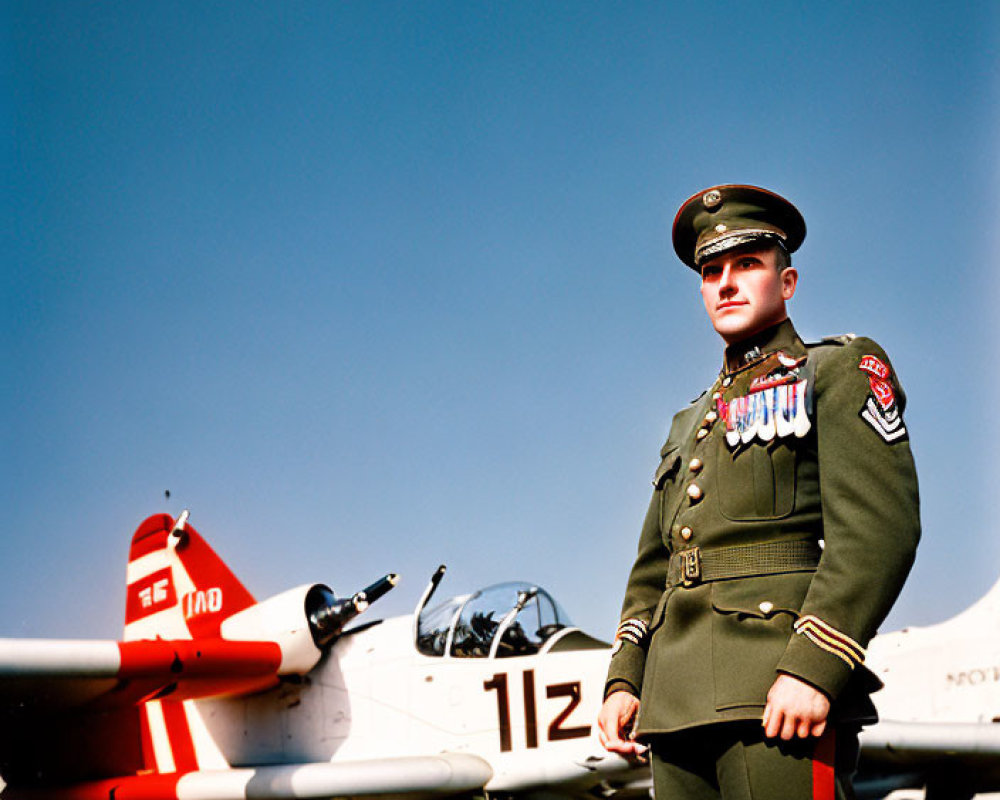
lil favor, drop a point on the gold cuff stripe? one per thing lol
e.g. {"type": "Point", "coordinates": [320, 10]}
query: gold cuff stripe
{"type": "Point", "coordinates": [634, 630]}
{"type": "Point", "coordinates": [816, 640]}
{"type": "Point", "coordinates": [857, 650]}
{"type": "Point", "coordinates": [830, 639]}
{"type": "Point", "coordinates": [637, 634]}
{"type": "Point", "coordinates": [817, 635]}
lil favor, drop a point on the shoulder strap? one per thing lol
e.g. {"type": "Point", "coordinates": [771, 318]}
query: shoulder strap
{"type": "Point", "coordinates": [816, 352]}
{"type": "Point", "coordinates": [840, 340]}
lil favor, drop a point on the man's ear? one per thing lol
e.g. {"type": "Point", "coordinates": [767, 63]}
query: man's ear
{"type": "Point", "coordinates": [789, 280]}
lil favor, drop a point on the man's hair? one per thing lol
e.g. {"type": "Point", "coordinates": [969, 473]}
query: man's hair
{"type": "Point", "coordinates": [782, 258]}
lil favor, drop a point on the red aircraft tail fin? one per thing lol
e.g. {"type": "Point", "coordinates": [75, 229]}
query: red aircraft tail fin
{"type": "Point", "coordinates": [178, 588]}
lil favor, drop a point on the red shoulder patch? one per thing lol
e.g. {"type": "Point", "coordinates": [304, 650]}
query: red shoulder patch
{"type": "Point", "coordinates": [880, 410]}
{"type": "Point", "coordinates": [878, 379]}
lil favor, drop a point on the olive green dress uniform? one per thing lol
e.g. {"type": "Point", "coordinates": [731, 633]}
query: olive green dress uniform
{"type": "Point", "coordinates": [770, 549]}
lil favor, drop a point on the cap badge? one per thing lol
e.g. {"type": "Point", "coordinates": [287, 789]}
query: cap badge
{"type": "Point", "coordinates": [720, 228]}
{"type": "Point", "coordinates": [712, 199]}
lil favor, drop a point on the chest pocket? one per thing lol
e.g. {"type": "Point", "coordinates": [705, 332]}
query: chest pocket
{"type": "Point", "coordinates": [670, 461]}
{"type": "Point", "coordinates": [756, 482]}
{"type": "Point", "coordinates": [665, 481]}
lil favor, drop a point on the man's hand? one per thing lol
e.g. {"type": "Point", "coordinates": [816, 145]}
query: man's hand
{"type": "Point", "coordinates": [615, 724]}
{"type": "Point", "coordinates": [794, 708]}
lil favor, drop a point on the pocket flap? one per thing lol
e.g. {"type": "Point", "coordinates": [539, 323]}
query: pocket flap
{"type": "Point", "coordinates": [670, 461]}
{"type": "Point", "coordinates": [762, 596]}
{"type": "Point", "coordinates": [660, 611]}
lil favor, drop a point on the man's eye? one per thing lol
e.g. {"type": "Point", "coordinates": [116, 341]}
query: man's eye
{"type": "Point", "coordinates": [710, 272]}
{"type": "Point", "coordinates": [745, 263]}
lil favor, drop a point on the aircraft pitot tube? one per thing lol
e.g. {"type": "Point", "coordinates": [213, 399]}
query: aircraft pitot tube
{"type": "Point", "coordinates": [327, 615]}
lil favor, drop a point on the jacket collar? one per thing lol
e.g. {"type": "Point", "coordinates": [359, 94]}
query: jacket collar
{"type": "Point", "coordinates": [753, 349]}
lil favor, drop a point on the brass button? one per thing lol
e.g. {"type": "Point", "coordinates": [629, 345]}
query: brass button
{"type": "Point", "coordinates": [766, 607]}
{"type": "Point", "coordinates": [695, 465]}
{"type": "Point", "coordinates": [686, 533]}
{"type": "Point", "coordinates": [694, 492]}
{"type": "Point", "coordinates": [711, 417]}
{"type": "Point", "coordinates": [727, 381]}
{"type": "Point", "coordinates": [701, 434]}
{"type": "Point", "coordinates": [717, 396]}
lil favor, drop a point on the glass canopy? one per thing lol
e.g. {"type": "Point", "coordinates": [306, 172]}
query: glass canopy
{"type": "Point", "coordinates": [509, 619]}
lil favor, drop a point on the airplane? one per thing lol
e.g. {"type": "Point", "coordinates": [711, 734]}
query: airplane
{"type": "Point", "coordinates": [211, 695]}
{"type": "Point", "coordinates": [939, 709]}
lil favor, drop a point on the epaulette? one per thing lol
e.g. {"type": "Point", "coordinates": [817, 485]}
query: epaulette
{"type": "Point", "coordinates": [841, 340]}
{"type": "Point", "coordinates": [819, 351]}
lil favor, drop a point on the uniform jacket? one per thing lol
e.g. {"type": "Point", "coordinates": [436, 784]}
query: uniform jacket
{"type": "Point", "coordinates": [794, 448]}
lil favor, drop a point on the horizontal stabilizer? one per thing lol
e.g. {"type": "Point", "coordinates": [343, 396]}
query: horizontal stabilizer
{"type": "Point", "coordinates": [63, 674]}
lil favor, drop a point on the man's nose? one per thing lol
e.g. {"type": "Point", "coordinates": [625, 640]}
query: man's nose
{"type": "Point", "coordinates": [726, 283]}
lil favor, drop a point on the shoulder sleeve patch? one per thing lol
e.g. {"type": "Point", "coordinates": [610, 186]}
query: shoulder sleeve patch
{"type": "Point", "coordinates": [880, 410]}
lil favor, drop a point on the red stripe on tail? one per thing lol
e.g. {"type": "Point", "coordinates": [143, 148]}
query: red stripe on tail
{"type": "Point", "coordinates": [148, 754]}
{"type": "Point", "coordinates": [151, 535]}
{"type": "Point", "coordinates": [148, 595]}
{"type": "Point", "coordinates": [179, 735]}
{"type": "Point", "coordinates": [218, 593]}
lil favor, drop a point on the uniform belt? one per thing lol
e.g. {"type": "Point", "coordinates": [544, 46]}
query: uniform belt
{"type": "Point", "coordinates": [694, 565]}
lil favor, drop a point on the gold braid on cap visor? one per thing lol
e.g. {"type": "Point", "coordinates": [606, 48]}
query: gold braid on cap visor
{"type": "Point", "coordinates": [733, 239]}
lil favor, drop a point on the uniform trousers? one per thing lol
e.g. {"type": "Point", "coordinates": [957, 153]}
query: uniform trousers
{"type": "Point", "coordinates": [734, 761]}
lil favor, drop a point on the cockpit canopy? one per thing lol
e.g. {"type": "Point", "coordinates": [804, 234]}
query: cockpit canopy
{"type": "Point", "coordinates": [509, 619]}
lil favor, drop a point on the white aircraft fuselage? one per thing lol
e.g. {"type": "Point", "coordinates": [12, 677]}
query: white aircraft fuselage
{"type": "Point", "coordinates": [213, 695]}
{"type": "Point", "coordinates": [531, 717]}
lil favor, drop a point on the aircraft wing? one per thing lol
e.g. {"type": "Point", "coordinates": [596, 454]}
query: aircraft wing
{"type": "Point", "coordinates": [70, 709]}
{"type": "Point", "coordinates": [966, 752]}
{"type": "Point", "coordinates": [391, 777]}
{"type": "Point", "coordinates": [46, 675]}
{"type": "Point", "coordinates": [892, 742]}
{"type": "Point", "coordinates": [900, 740]}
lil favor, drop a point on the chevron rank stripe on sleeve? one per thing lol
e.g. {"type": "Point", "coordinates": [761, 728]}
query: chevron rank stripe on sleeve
{"type": "Point", "coordinates": [824, 635]}
{"type": "Point", "coordinates": [633, 630]}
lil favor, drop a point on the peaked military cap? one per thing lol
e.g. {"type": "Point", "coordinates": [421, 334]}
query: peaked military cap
{"type": "Point", "coordinates": [724, 217]}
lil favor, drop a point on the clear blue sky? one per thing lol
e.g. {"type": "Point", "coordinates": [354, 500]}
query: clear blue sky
{"type": "Point", "coordinates": [372, 286]}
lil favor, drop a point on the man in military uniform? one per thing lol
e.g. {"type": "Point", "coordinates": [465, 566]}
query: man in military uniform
{"type": "Point", "coordinates": [783, 523]}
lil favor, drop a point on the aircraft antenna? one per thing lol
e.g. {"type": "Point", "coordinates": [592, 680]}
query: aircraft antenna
{"type": "Point", "coordinates": [426, 596]}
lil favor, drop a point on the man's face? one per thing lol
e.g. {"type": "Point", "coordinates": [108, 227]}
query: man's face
{"type": "Point", "coordinates": [744, 292]}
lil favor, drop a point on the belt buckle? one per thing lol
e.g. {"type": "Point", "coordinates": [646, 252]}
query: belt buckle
{"type": "Point", "coordinates": [691, 566]}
